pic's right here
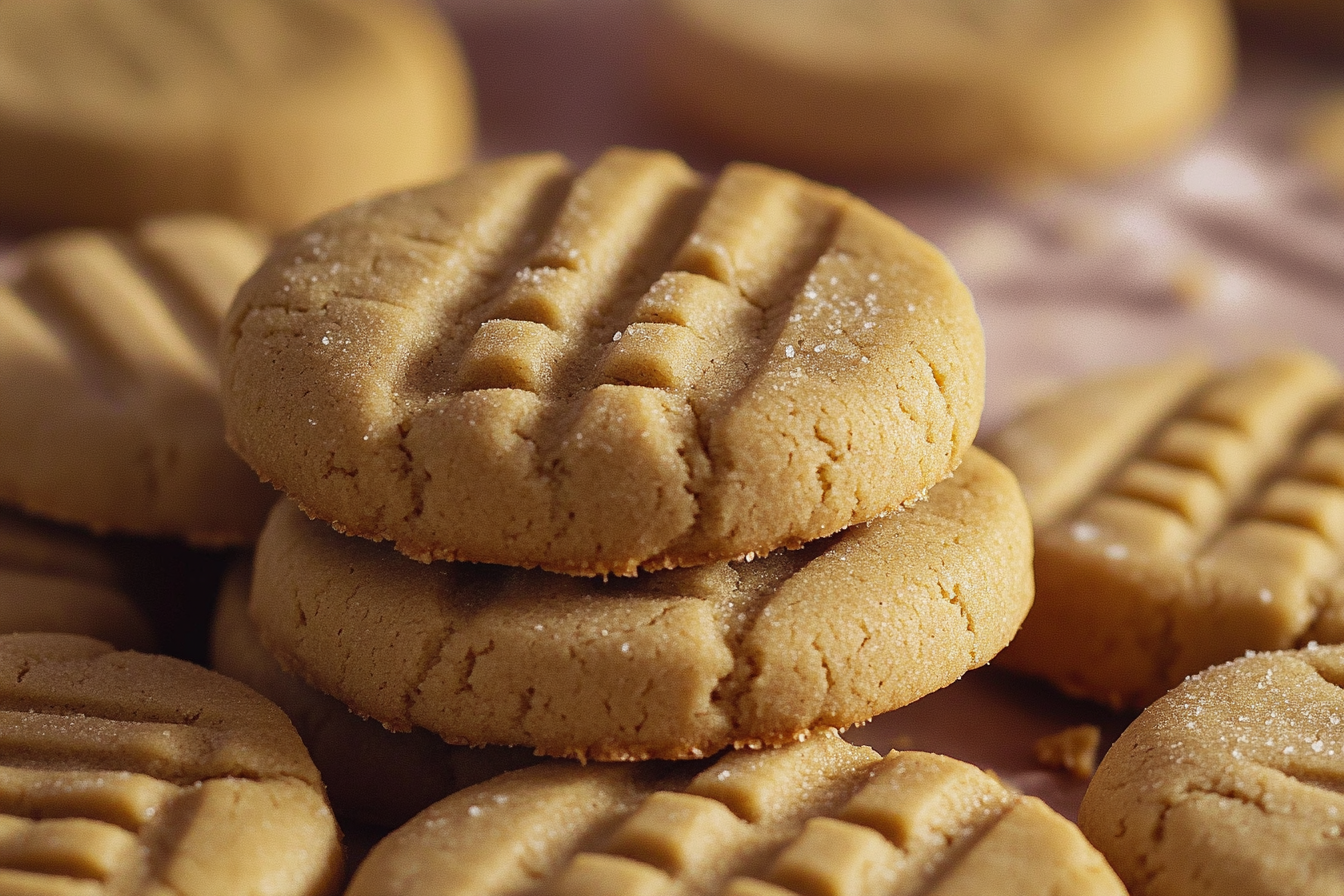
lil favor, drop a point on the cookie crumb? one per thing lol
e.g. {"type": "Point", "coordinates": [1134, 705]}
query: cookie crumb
{"type": "Point", "coordinates": [902, 742]}
{"type": "Point", "coordinates": [1073, 749]}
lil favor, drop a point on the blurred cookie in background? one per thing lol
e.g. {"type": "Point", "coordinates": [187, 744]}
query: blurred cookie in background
{"type": "Point", "coordinates": [272, 111]}
{"type": "Point", "coordinates": [54, 579]}
{"type": "Point", "coordinates": [1183, 516]}
{"type": "Point", "coordinates": [109, 384]}
{"type": "Point", "coordinates": [930, 87]}
{"type": "Point", "coordinates": [372, 775]}
{"type": "Point", "coordinates": [1322, 140]}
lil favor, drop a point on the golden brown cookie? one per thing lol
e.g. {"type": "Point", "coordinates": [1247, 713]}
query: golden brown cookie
{"type": "Point", "coordinates": [1182, 517]}
{"type": "Point", "coordinates": [932, 86]}
{"type": "Point", "coordinates": [628, 367]}
{"type": "Point", "coordinates": [271, 111]}
{"type": "Point", "coordinates": [109, 383]}
{"type": "Point", "coordinates": [820, 818]}
{"type": "Point", "coordinates": [1229, 784]}
{"type": "Point", "coordinates": [142, 775]}
{"type": "Point", "coordinates": [372, 775]}
{"type": "Point", "coordinates": [673, 664]}
{"type": "Point", "coordinates": [54, 579]}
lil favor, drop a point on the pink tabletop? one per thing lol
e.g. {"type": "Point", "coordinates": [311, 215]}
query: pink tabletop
{"type": "Point", "coordinates": [1231, 247]}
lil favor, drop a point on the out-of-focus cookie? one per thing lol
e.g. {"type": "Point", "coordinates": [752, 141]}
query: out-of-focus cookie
{"type": "Point", "coordinates": [57, 580]}
{"type": "Point", "coordinates": [139, 774]}
{"type": "Point", "coordinates": [1231, 783]}
{"type": "Point", "coordinates": [930, 86]}
{"type": "Point", "coordinates": [821, 817]}
{"type": "Point", "coordinates": [272, 111]}
{"type": "Point", "coordinates": [629, 367]}
{"type": "Point", "coordinates": [1322, 143]}
{"type": "Point", "coordinates": [1182, 517]}
{"type": "Point", "coordinates": [674, 664]}
{"type": "Point", "coordinates": [372, 775]}
{"type": "Point", "coordinates": [109, 383]}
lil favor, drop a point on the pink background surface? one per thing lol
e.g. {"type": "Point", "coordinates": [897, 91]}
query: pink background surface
{"type": "Point", "coordinates": [1230, 247]}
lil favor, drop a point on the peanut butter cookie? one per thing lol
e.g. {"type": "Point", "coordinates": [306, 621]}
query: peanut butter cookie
{"type": "Point", "coordinates": [626, 368]}
{"type": "Point", "coordinates": [673, 664]}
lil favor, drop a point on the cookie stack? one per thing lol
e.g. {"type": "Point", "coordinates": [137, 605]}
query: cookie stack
{"type": "Point", "coordinates": [708, 444]}
{"type": "Point", "coordinates": [622, 371]}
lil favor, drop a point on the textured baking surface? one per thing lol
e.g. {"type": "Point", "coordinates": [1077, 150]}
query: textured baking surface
{"type": "Point", "coordinates": [821, 818]}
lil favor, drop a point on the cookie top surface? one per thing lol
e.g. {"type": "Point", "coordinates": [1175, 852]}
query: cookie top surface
{"type": "Point", "coordinates": [145, 774]}
{"type": "Point", "coordinates": [414, 769]}
{"type": "Point", "coordinates": [269, 110]}
{"type": "Point", "coordinates": [594, 373]}
{"type": "Point", "coordinates": [1231, 783]}
{"type": "Point", "coordinates": [817, 817]}
{"type": "Point", "coordinates": [109, 405]}
{"type": "Point", "coordinates": [1203, 510]}
{"type": "Point", "coordinates": [936, 86]}
{"type": "Point", "coordinates": [672, 664]}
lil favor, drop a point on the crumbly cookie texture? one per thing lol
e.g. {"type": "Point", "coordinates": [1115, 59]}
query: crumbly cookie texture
{"type": "Point", "coordinates": [109, 383]}
{"type": "Point", "coordinates": [931, 86]}
{"type": "Point", "coordinates": [594, 373]}
{"type": "Point", "coordinates": [673, 664]}
{"type": "Point", "coordinates": [1183, 516]}
{"type": "Point", "coordinates": [821, 817]}
{"type": "Point", "coordinates": [271, 111]}
{"type": "Point", "coordinates": [136, 774]}
{"type": "Point", "coordinates": [372, 775]}
{"type": "Point", "coordinates": [1230, 783]}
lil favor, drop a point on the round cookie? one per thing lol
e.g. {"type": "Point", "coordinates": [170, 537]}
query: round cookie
{"type": "Point", "coordinates": [138, 774]}
{"type": "Point", "coordinates": [109, 383]}
{"type": "Point", "coordinates": [1230, 783]}
{"type": "Point", "coordinates": [372, 775]}
{"type": "Point", "coordinates": [272, 111]}
{"type": "Point", "coordinates": [818, 817]}
{"type": "Point", "coordinates": [673, 664]}
{"type": "Point", "coordinates": [1182, 516]}
{"type": "Point", "coordinates": [626, 368]}
{"type": "Point", "coordinates": [57, 580]}
{"type": "Point", "coordinates": [932, 87]}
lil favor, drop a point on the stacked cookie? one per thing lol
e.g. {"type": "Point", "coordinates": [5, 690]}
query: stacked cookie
{"type": "Point", "coordinates": [600, 373]}
{"type": "Point", "coordinates": [709, 446]}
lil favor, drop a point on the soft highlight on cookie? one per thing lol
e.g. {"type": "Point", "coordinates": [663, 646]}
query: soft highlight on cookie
{"type": "Point", "coordinates": [594, 373]}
